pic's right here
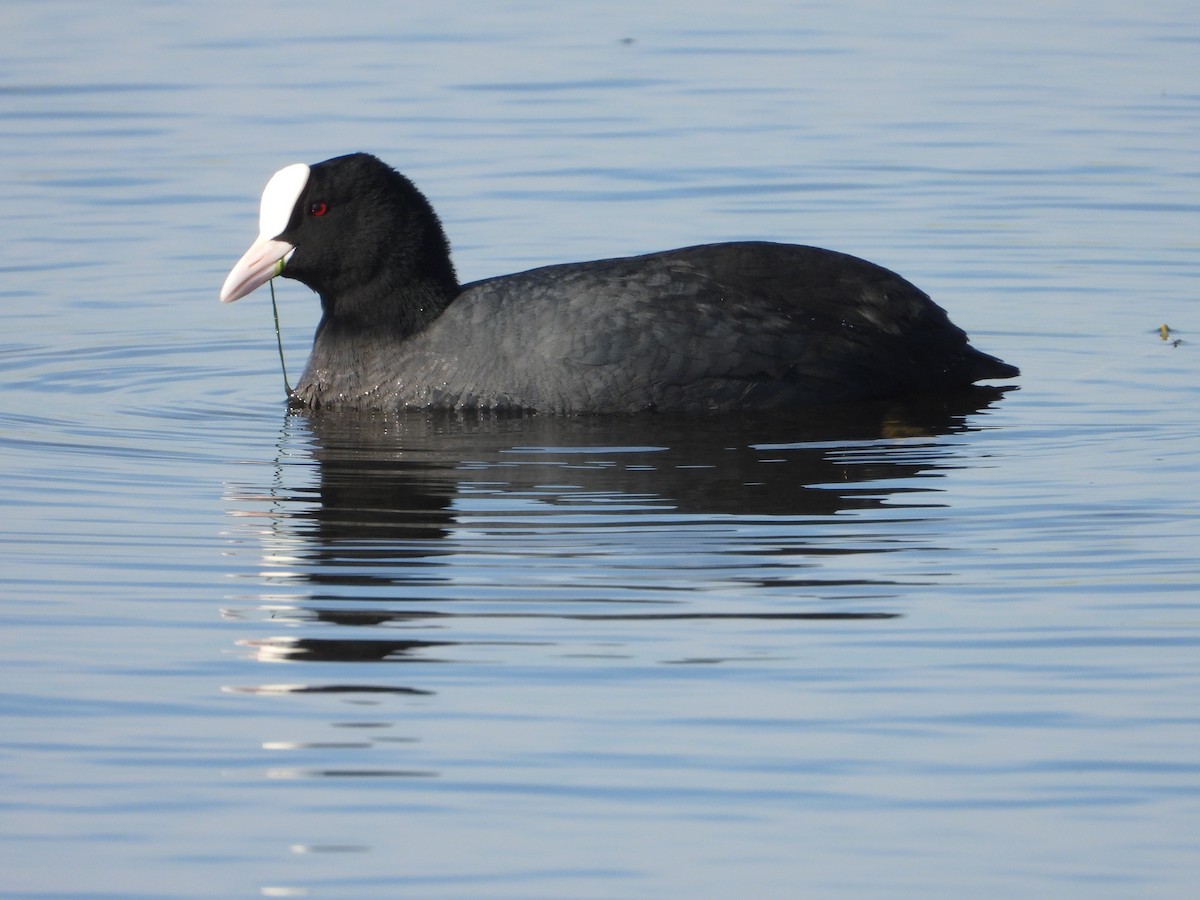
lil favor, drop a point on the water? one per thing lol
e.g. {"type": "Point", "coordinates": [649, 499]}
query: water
{"type": "Point", "coordinates": [901, 651]}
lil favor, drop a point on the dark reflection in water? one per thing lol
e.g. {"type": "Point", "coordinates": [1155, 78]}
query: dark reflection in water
{"type": "Point", "coordinates": [324, 689]}
{"type": "Point", "coordinates": [342, 651]}
{"type": "Point", "coordinates": [367, 516]}
{"type": "Point", "coordinates": [392, 479]}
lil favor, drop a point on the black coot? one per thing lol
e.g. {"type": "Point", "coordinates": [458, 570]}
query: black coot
{"type": "Point", "coordinates": [734, 326]}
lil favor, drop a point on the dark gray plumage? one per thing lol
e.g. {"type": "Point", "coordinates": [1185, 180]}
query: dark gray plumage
{"type": "Point", "coordinates": [734, 326]}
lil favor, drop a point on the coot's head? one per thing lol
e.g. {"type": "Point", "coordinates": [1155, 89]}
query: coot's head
{"type": "Point", "coordinates": [348, 227]}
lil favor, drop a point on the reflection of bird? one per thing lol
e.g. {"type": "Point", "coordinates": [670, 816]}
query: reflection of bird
{"type": "Point", "coordinates": [735, 326]}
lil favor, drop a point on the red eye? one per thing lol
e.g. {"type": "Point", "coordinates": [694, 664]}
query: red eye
{"type": "Point", "coordinates": [318, 209]}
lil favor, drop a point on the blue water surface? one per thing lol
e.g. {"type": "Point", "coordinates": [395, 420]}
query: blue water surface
{"type": "Point", "coordinates": [934, 649]}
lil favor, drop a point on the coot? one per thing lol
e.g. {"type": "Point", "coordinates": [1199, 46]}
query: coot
{"type": "Point", "coordinates": [716, 327]}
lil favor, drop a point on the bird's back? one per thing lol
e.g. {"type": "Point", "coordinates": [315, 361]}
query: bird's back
{"type": "Point", "coordinates": [712, 327]}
